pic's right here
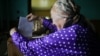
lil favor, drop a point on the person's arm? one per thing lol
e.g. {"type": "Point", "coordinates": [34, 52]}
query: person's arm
{"type": "Point", "coordinates": [47, 23]}
{"type": "Point", "coordinates": [51, 41]}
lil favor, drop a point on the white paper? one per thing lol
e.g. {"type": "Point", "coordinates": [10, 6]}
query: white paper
{"type": "Point", "coordinates": [25, 27]}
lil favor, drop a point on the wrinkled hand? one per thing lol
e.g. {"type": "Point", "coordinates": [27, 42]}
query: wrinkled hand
{"type": "Point", "coordinates": [12, 31]}
{"type": "Point", "coordinates": [31, 17]}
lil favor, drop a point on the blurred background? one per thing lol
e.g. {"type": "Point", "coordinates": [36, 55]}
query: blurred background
{"type": "Point", "coordinates": [11, 10]}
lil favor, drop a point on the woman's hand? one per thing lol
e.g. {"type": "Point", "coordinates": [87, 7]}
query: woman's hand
{"type": "Point", "coordinates": [31, 17]}
{"type": "Point", "coordinates": [12, 31]}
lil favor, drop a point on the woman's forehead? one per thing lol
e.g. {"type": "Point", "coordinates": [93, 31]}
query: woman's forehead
{"type": "Point", "coordinates": [55, 10]}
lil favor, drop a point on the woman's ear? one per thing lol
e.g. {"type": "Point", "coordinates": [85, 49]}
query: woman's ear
{"type": "Point", "coordinates": [64, 19]}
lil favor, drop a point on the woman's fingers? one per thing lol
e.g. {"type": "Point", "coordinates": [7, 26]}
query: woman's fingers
{"type": "Point", "coordinates": [12, 31]}
{"type": "Point", "coordinates": [31, 17]}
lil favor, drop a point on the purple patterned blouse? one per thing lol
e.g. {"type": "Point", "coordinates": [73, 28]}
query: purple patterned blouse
{"type": "Point", "coordinates": [69, 41]}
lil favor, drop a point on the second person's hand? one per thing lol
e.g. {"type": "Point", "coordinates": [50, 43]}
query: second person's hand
{"type": "Point", "coordinates": [31, 17]}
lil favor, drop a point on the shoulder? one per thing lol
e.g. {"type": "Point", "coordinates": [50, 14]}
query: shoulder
{"type": "Point", "coordinates": [76, 27]}
{"type": "Point", "coordinates": [68, 32]}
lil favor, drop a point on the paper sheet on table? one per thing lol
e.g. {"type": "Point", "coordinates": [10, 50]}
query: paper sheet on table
{"type": "Point", "coordinates": [25, 27]}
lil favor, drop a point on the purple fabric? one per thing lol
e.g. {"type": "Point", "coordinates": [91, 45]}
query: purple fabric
{"type": "Point", "coordinates": [48, 24]}
{"type": "Point", "coordinates": [70, 41]}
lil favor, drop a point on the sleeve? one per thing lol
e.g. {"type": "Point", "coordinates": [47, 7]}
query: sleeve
{"type": "Point", "coordinates": [31, 47]}
{"type": "Point", "coordinates": [47, 23]}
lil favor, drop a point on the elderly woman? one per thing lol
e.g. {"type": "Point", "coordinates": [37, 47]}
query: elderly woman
{"type": "Point", "coordinates": [70, 33]}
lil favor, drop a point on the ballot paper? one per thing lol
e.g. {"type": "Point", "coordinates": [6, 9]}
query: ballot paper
{"type": "Point", "coordinates": [25, 27]}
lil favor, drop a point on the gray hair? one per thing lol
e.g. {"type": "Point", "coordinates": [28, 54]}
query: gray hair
{"type": "Point", "coordinates": [67, 6]}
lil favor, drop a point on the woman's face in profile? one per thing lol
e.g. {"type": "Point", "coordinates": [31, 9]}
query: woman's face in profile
{"type": "Point", "coordinates": [54, 15]}
{"type": "Point", "coordinates": [57, 15]}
